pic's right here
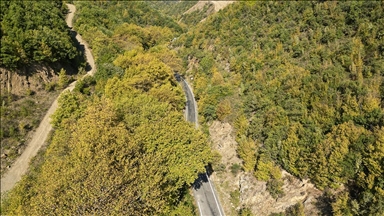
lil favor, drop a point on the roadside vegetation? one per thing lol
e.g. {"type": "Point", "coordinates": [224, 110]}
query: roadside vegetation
{"type": "Point", "coordinates": [19, 118]}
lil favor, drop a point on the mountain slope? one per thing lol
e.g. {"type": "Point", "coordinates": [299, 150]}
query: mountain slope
{"type": "Point", "coordinates": [121, 144]}
{"type": "Point", "coordinates": [302, 82]}
{"type": "Point", "coordinates": [34, 32]}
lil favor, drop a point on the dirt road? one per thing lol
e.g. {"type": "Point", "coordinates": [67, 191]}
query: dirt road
{"type": "Point", "coordinates": [20, 167]}
{"type": "Point", "coordinates": [88, 54]}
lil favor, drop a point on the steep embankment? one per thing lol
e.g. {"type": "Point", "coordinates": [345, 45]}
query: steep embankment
{"type": "Point", "coordinates": [202, 10]}
{"type": "Point", "coordinates": [36, 44]}
{"type": "Point", "coordinates": [20, 167]}
{"type": "Point", "coordinates": [239, 189]}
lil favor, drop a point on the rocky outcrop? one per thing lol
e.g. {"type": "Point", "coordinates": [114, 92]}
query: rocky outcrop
{"type": "Point", "coordinates": [253, 193]}
{"type": "Point", "coordinates": [217, 5]}
{"type": "Point", "coordinates": [225, 182]}
{"type": "Point", "coordinates": [33, 78]}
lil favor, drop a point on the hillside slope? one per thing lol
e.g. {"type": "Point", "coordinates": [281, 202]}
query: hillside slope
{"type": "Point", "coordinates": [39, 56]}
{"type": "Point", "coordinates": [296, 86]}
{"type": "Point", "coordinates": [120, 145]}
{"type": "Point", "coordinates": [302, 83]}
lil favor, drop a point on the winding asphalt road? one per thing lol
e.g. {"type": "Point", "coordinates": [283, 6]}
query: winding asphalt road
{"type": "Point", "coordinates": [20, 166]}
{"type": "Point", "coordinates": [204, 190]}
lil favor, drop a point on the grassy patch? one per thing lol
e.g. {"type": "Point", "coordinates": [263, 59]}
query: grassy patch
{"type": "Point", "coordinates": [235, 169]}
{"type": "Point", "coordinates": [235, 197]}
{"type": "Point", "coordinates": [20, 116]}
{"type": "Point", "coordinates": [274, 187]}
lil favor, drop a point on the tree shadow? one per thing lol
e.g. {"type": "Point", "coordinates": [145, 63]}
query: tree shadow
{"type": "Point", "coordinates": [203, 177]}
{"type": "Point", "coordinates": [178, 77]}
{"type": "Point", "coordinates": [82, 57]}
{"type": "Point", "coordinates": [199, 181]}
{"type": "Point", "coordinates": [209, 170]}
{"type": "Point", "coordinates": [323, 203]}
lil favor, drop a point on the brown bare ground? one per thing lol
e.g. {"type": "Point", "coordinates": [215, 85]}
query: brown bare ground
{"type": "Point", "coordinates": [253, 194]}
{"type": "Point", "coordinates": [218, 5]}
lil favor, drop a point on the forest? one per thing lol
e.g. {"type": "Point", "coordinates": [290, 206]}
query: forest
{"type": "Point", "coordinates": [35, 32]}
{"type": "Point", "coordinates": [36, 46]}
{"type": "Point", "coordinates": [101, 158]}
{"type": "Point", "coordinates": [301, 82]}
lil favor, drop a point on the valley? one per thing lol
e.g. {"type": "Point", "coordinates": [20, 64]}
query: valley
{"type": "Point", "coordinates": [287, 117]}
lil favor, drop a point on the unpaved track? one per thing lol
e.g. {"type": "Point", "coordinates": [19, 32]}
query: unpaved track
{"type": "Point", "coordinates": [20, 167]}
{"type": "Point", "coordinates": [88, 54]}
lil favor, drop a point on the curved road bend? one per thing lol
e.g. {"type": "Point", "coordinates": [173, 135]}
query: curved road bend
{"type": "Point", "coordinates": [20, 166]}
{"type": "Point", "coordinates": [204, 190]}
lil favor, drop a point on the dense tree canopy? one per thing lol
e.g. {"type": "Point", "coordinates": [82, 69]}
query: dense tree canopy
{"type": "Point", "coordinates": [304, 84]}
{"type": "Point", "coordinates": [34, 32]}
{"type": "Point", "coordinates": [108, 163]}
{"type": "Point", "coordinates": [121, 145]}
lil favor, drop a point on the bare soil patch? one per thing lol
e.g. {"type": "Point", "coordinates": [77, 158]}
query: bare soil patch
{"type": "Point", "coordinates": [218, 5]}
{"type": "Point", "coordinates": [19, 120]}
{"type": "Point", "coordinates": [238, 189]}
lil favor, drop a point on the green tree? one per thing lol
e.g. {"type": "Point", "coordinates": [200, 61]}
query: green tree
{"type": "Point", "coordinates": [341, 207]}
{"type": "Point", "coordinates": [295, 210]}
{"type": "Point", "coordinates": [63, 78]}
{"type": "Point", "coordinates": [247, 150]}
{"type": "Point", "coordinates": [35, 32]}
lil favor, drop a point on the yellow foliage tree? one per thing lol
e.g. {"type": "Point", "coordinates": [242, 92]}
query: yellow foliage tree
{"type": "Point", "coordinates": [217, 78]}
{"type": "Point", "coordinates": [247, 150]}
{"type": "Point", "coordinates": [223, 109]}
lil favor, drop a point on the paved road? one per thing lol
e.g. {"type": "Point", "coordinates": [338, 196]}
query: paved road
{"type": "Point", "coordinates": [206, 197]}
{"type": "Point", "coordinates": [20, 166]}
{"type": "Point", "coordinates": [191, 107]}
{"type": "Point", "coordinates": [204, 190]}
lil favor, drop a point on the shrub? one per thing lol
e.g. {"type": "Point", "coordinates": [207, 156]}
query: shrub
{"type": "Point", "coordinates": [235, 197]}
{"type": "Point", "coordinates": [235, 169]}
{"type": "Point", "coordinates": [220, 168]}
{"type": "Point", "coordinates": [63, 78]}
{"type": "Point", "coordinates": [274, 187]}
{"type": "Point", "coordinates": [29, 92]}
{"type": "Point", "coordinates": [50, 86]}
